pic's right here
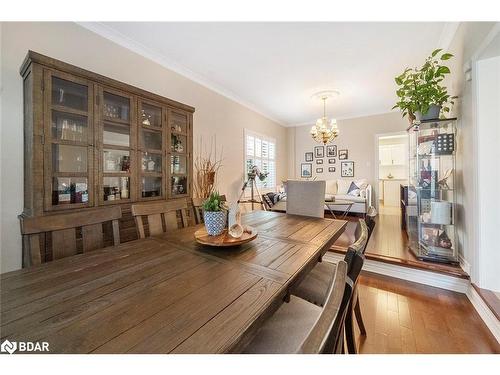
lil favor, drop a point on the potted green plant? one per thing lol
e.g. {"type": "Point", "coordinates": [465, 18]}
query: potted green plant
{"type": "Point", "coordinates": [420, 94]}
{"type": "Point", "coordinates": [214, 214]}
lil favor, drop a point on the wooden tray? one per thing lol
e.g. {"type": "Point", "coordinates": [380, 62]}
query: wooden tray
{"type": "Point", "coordinates": [224, 239]}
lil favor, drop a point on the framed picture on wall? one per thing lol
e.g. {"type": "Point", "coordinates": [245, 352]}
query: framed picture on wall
{"type": "Point", "coordinates": [319, 161]}
{"type": "Point", "coordinates": [319, 151]}
{"type": "Point", "coordinates": [319, 170]}
{"type": "Point", "coordinates": [347, 169]}
{"type": "Point", "coordinates": [331, 151]}
{"type": "Point", "coordinates": [309, 156]}
{"type": "Point", "coordinates": [343, 155]}
{"type": "Point", "coordinates": [306, 170]}
{"type": "Point", "coordinates": [331, 169]}
{"type": "Point", "coordinates": [331, 161]}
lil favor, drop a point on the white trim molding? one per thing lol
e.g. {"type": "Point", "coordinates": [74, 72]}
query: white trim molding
{"type": "Point", "coordinates": [484, 312]}
{"type": "Point", "coordinates": [430, 278]}
{"type": "Point", "coordinates": [464, 264]}
{"type": "Point", "coordinates": [111, 34]}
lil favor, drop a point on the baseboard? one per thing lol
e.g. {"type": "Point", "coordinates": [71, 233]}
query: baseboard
{"type": "Point", "coordinates": [464, 264]}
{"type": "Point", "coordinates": [434, 279]}
{"type": "Point", "coordinates": [484, 312]}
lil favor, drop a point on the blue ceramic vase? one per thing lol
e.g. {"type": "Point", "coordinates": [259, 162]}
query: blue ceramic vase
{"type": "Point", "coordinates": [215, 222]}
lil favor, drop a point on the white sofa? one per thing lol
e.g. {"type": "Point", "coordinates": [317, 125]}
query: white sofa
{"type": "Point", "coordinates": [337, 189]}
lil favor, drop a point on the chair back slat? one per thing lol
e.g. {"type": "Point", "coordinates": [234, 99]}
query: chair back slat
{"type": "Point", "coordinates": [198, 209]}
{"type": "Point", "coordinates": [155, 224]}
{"type": "Point", "coordinates": [361, 236]}
{"type": "Point", "coordinates": [116, 232]}
{"type": "Point", "coordinates": [92, 237]}
{"type": "Point", "coordinates": [63, 243]}
{"type": "Point", "coordinates": [331, 317]}
{"type": "Point", "coordinates": [171, 220]}
{"type": "Point", "coordinates": [33, 251]}
{"type": "Point", "coordinates": [62, 229]}
{"type": "Point", "coordinates": [158, 212]}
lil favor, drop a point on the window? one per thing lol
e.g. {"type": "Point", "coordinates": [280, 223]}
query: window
{"type": "Point", "coordinates": [261, 151]}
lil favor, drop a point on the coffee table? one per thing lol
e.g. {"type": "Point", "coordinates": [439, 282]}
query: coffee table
{"type": "Point", "coordinates": [339, 202]}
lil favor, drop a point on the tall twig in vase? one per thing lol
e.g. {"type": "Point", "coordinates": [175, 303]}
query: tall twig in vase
{"type": "Point", "coordinates": [207, 163]}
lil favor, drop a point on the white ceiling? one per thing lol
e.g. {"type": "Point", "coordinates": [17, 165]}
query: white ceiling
{"type": "Point", "coordinates": [274, 68]}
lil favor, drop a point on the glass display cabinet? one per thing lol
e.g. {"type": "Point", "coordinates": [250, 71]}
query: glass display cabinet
{"type": "Point", "coordinates": [430, 213]}
{"type": "Point", "coordinates": [91, 141]}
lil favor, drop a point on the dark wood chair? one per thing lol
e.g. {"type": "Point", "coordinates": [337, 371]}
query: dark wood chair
{"type": "Point", "coordinates": [198, 208]}
{"type": "Point", "coordinates": [160, 216]}
{"type": "Point", "coordinates": [315, 285]}
{"type": "Point", "coordinates": [302, 327]}
{"type": "Point", "coordinates": [55, 236]}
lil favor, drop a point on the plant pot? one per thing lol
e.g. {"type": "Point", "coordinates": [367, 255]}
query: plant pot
{"type": "Point", "coordinates": [215, 222]}
{"type": "Point", "coordinates": [432, 113]}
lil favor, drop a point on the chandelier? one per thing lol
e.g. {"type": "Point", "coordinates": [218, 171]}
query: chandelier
{"type": "Point", "coordinates": [325, 131]}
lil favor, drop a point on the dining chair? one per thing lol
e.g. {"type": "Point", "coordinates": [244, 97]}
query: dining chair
{"type": "Point", "coordinates": [302, 327]}
{"type": "Point", "coordinates": [370, 220]}
{"type": "Point", "coordinates": [198, 208]}
{"type": "Point", "coordinates": [306, 198]}
{"type": "Point", "coordinates": [52, 237]}
{"type": "Point", "coordinates": [160, 216]}
{"type": "Point", "coordinates": [314, 287]}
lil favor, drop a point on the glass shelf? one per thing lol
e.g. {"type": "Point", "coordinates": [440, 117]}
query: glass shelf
{"type": "Point", "coordinates": [116, 188]}
{"type": "Point", "coordinates": [116, 107]}
{"type": "Point", "coordinates": [69, 127]}
{"type": "Point", "coordinates": [69, 94]}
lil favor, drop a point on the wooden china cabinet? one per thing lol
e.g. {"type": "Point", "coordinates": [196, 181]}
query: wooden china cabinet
{"type": "Point", "coordinates": [93, 141]}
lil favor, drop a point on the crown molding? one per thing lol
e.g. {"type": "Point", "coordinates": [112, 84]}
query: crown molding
{"type": "Point", "coordinates": [447, 35]}
{"type": "Point", "coordinates": [134, 46]}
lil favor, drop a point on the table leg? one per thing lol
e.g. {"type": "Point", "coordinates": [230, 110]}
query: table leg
{"type": "Point", "coordinates": [331, 211]}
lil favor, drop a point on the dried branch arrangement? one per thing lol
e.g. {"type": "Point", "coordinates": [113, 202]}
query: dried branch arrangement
{"type": "Point", "coordinates": [207, 163]}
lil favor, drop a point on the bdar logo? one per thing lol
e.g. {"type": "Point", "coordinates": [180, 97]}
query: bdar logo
{"type": "Point", "coordinates": [8, 346]}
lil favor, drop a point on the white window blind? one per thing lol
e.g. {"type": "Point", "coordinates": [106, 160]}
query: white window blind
{"type": "Point", "coordinates": [261, 151]}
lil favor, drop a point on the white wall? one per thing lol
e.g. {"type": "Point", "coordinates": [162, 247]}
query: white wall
{"type": "Point", "coordinates": [464, 44]}
{"type": "Point", "coordinates": [488, 156]}
{"type": "Point", "coordinates": [69, 42]}
{"type": "Point", "coordinates": [358, 136]}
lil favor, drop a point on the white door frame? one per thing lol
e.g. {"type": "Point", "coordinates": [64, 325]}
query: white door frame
{"type": "Point", "coordinates": [470, 67]}
{"type": "Point", "coordinates": [377, 165]}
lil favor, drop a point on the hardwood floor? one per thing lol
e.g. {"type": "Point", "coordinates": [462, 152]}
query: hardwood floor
{"type": "Point", "coordinates": [388, 243]}
{"type": "Point", "coordinates": [491, 298]}
{"type": "Point", "coordinates": [405, 317]}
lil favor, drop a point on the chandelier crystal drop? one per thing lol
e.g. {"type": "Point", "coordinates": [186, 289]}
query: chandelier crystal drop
{"type": "Point", "coordinates": [325, 131]}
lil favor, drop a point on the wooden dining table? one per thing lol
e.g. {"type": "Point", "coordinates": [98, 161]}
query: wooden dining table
{"type": "Point", "coordinates": [164, 294]}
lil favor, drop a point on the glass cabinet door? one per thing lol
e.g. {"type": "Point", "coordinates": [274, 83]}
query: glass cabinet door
{"type": "Point", "coordinates": [151, 150]}
{"type": "Point", "coordinates": [68, 141]}
{"type": "Point", "coordinates": [179, 153]}
{"type": "Point", "coordinates": [116, 146]}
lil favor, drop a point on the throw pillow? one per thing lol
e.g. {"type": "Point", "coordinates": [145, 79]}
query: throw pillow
{"type": "Point", "coordinates": [343, 186]}
{"type": "Point", "coordinates": [362, 184]}
{"type": "Point", "coordinates": [353, 190]}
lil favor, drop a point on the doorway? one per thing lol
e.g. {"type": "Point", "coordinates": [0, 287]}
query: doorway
{"type": "Point", "coordinates": [392, 171]}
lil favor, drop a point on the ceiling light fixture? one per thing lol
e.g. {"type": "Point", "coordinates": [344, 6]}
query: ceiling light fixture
{"type": "Point", "coordinates": [325, 131]}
